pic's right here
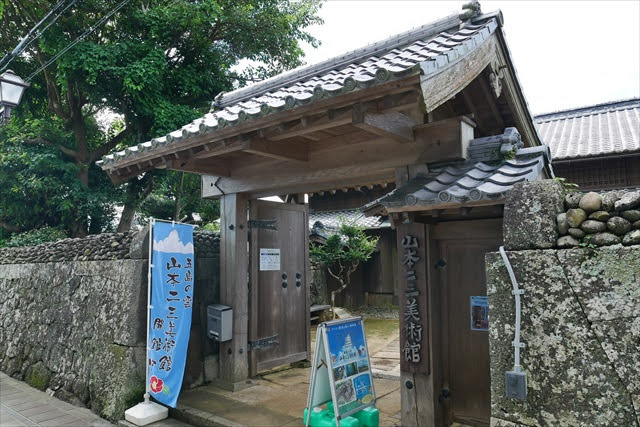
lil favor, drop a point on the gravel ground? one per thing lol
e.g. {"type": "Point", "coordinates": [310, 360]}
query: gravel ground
{"type": "Point", "coordinates": [388, 312]}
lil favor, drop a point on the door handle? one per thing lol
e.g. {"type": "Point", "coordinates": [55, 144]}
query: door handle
{"type": "Point", "coordinates": [298, 279]}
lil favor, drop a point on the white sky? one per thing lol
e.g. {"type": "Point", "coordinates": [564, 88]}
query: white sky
{"type": "Point", "coordinates": [567, 53]}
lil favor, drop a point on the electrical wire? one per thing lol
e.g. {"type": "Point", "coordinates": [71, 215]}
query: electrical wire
{"type": "Point", "coordinates": [78, 39]}
{"type": "Point", "coordinates": [30, 37]}
{"type": "Point", "coordinates": [40, 33]}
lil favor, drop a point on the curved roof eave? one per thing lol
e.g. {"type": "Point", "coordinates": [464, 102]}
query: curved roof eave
{"type": "Point", "coordinates": [429, 55]}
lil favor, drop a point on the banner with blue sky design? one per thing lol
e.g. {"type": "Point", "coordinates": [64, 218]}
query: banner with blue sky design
{"type": "Point", "coordinates": [172, 280]}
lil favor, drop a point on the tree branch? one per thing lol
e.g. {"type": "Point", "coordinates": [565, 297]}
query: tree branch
{"type": "Point", "coordinates": [338, 278]}
{"type": "Point", "coordinates": [64, 150]}
{"type": "Point", "coordinates": [11, 227]}
{"type": "Point", "coordinates": [148, 188]}
{"type": "Point", "coordinates": [99, 152]}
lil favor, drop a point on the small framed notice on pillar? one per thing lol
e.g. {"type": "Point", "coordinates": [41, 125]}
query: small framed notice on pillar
{"type": "Point", "coordinates": [414, 330]}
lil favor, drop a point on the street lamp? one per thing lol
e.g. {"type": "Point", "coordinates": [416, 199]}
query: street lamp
{"type": "Point", "coordinates": [11, 89]}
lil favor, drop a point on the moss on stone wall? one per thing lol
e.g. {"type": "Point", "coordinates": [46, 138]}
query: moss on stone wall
{"type": "Point", "coordinates": [581, 327]}
{"type": "Point", "coordinates": [38, 376]}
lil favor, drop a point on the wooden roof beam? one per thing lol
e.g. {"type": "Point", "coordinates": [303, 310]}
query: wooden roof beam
{"type": "Point", "coordinates": [340, 116]}
{"type": "Point", "coordinates": [120, 175]}
{"type": "Point", "coordinates": [394, 125]}
{"type": "Point", "coordinates": [400, 101]}
{"type": "Point", "coordinates": [306, 125]}
{"type": "Point", "coordinates": [209, 166]}
{"type": "Point", "coordinates": [468, 102]}
{"type": "Point", "coordinates": [490, 99]}
{"type": "Point", "coordinates": [219, 148]}
{"type": "Point", "coordinates": [277, 150]}
{"type": "Point", "coordinates": [345, 165]}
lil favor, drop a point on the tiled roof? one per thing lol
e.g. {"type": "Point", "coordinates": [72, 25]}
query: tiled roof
{"type": "Point", "coordinates": [331, 220]}
{"type": "Point", "coordinates": [423, 50]}
{"type": "Point", "coordinates": [468, 182]}
{"type": "Point", "coordinates": [600, 130]}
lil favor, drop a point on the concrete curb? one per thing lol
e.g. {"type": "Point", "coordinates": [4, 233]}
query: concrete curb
{"type": "Point", "coordinates": [197, 417]}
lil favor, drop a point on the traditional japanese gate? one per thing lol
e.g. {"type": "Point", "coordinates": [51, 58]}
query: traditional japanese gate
{"type": "Point", "coordinates": [279, 291]}
{"type": "Point", "coordinates": [400, 111]}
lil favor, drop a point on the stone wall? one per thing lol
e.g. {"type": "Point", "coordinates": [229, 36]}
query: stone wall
{"type": "Point", "coordinates": [544, 215]}
{"type": "Point", "coordinates": [595, 219]}
{"type": "Point", "coordinates": [580, 317]}
{"type": "Point", "coordinates": [73, 318]}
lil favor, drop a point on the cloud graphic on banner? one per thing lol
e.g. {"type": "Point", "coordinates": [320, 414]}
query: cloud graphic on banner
{"type": "Point", "coordinates": [172, 244]}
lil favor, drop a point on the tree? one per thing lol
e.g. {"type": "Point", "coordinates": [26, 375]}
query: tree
{"type": "Point", "coordinates": [154, 66]}
{"type": "Point", "coordinates": [177, 197]}
{"type": "Point", "coordinates": [342, 252]}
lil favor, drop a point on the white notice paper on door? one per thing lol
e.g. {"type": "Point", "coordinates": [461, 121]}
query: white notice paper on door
{"type": "Point", "coordinates": [269, 259]}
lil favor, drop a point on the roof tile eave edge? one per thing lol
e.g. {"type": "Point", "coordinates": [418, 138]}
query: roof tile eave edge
{"type": "Point", "coordinates": [610, 155]}
{"type": "Point", "coordinates": [122, 155]}
{"type": "Point", "coordinates": [434, 27]}
{"type": "Point", "coordinates": [550, 116]}
{"type": "Point", "coordinates": [444, 61]}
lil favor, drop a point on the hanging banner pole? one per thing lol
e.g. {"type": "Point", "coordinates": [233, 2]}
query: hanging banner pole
{"type": "Point", "coordinates": [147, 412]}
{"type": "Point", "coordinates": [146, 360]}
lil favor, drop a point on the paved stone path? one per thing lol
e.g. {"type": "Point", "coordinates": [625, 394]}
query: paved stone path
{"type": "Point", "coordinates": [386, 362]}
{"type": "Point", "coordinates": [275, 399]}
{"type": "Point", "coordinates": [22, 405]}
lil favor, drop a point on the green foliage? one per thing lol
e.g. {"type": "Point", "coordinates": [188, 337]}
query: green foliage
{"type": "Point", "coordinates": [213, 227]}
{"type": "Point", "coordinates": [39, 187]}
{"type": "Point", "coordinates": [569, 187]}
{"type": "Point", "coordinates": [178, 196]}
{"type": "Point", "coordinates": [349, 244]}
{"type": "Point", "coordinates": [344, 250]}
{"type": "Point", "coordinates": [586, 242]}
{"type": "Point", "coordinates": [509, 155]}
{"type": "Point", "coordinates": [36, 237]}
{"type": "Point", "coordinates": [153, 67]}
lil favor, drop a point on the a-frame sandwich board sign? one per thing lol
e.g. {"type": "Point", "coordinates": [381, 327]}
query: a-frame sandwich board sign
{"type": "Point", "coordinates": [341, 369]}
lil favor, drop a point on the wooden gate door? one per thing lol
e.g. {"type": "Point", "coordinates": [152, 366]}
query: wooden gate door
{"type": "Point", "coordinates": [461, 247]}
{"type": "Point", "coordinates": [279, 289]}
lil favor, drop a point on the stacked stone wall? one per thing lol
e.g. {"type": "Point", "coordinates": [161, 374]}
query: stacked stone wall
{"type": "Point", "coordinates": [73, 318]}
{"type": "Point", "coordinates": [594, 219]}
{"type": "Point", "coordinates": [580, 311]}
{"type": "Point", "coordinates": [99, 247]}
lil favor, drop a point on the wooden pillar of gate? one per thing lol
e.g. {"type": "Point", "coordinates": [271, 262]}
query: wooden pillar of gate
{"type": "Point", "coordinates": [419, 327]}
{"type": "Point", "coordinates": [234, 290]}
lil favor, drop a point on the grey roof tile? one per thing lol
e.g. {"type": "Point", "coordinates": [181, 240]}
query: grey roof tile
{"type": "Point", "coordinates": [599, 130]}
{"type": "Point", "coordinates": [425, 49]}
{"type": "Point", "coordinates": [467, 181]}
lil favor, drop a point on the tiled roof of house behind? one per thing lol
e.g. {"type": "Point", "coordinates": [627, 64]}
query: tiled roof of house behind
{"type": "Point", "coordinates": [425, 50]}
{"type": "Point", "coordinates": [331, 219]}
{"type": "Point", "coordinates": [600, 130]}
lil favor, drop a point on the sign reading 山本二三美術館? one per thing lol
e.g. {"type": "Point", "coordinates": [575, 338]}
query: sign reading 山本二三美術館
{"type": "Point", "coordinates": [172, 279]}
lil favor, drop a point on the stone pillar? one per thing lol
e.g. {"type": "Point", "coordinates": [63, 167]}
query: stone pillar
{"type": "Point", "coordinates": [530, 212]}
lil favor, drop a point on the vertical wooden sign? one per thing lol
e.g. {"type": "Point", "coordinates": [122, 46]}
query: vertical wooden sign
{"type": "Point", "coordinates": [412, 271]}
